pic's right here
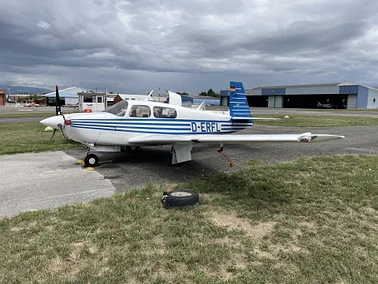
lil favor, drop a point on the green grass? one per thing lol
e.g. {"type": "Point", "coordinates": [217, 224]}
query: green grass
{"type": "Point", "coordinates": [43, 113]}
{"type": "Point", "coordinates": [27, 114]}
{"type": "Point", "coordinates": [309, 221]}
{"type": "Point", "coordinates": [30, 137]}
{"type": "Point", "coordinates": [317, 121]}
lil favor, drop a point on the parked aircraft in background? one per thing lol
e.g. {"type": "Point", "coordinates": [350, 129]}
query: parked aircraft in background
{"type": "Point", "coordinates": [330, 105]}
{"type": "Point", "coordinates": [146, 123]}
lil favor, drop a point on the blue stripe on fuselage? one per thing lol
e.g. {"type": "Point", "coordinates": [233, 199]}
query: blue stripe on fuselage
{"type": "Point", "coordinates": [162, 126]}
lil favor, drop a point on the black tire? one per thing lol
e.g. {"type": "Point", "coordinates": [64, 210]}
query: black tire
{"type": "Point", "coordinates": [180, 198]}
{"type": "Point", "coordinates": [91, 160]}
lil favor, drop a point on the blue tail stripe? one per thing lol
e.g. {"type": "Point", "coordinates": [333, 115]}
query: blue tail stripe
{"type": "Point", "coordinates": [238, 101]}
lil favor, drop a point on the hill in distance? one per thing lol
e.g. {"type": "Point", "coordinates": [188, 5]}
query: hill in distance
{"type": "Point", "coordinates": [23, 89]}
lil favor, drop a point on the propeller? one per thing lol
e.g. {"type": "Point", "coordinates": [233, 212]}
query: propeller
{"type": "Point", "coordinates": [58, 111]}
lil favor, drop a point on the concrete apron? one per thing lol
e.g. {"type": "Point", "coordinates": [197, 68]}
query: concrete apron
{"type": "Point", "coordinates": [46, 180]}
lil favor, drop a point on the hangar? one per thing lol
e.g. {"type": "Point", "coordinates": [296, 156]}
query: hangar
{"type": "Point", "coordinates": [344, 95]}
{"type": "Point", "coordinates": [67, 97]}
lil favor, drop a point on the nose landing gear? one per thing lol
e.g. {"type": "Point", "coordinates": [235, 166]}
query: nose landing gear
{"type": "Point", "coordinates": [91, 160]}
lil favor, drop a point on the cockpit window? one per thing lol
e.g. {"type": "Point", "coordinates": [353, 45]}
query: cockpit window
{"type": "Point", "coordinates": [140, 111]}
{"type": "Point", "coordinates": [119, 109]}
{"type": "Point", "coordinates": [166, 112]}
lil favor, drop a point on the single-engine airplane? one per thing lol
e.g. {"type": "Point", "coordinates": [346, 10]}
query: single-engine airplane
{"type": "Point", "coordinates": [131, 124]}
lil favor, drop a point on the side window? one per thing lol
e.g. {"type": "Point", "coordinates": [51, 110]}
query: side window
{"type": "Point", "coordinates": [118, 109]}
{"type": "Point", "coordinates": [140, 111]}
{"type": "Point", "coordinates": [165, 112]}
{"type": "Point", "coordinates": [90, 99]}
{"type": "Point", "coordinates": [99, 100]}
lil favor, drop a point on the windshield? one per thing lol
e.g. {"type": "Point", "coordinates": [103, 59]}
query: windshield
{"type": "Point", "coordinates": [119, 109]}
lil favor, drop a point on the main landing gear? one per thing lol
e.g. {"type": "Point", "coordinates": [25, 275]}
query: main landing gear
{"type": "Point", "coordinates": [132, 148]}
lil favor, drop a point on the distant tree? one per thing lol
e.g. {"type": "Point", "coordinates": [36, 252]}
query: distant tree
{"type": "Point", "coordinates": [182, 93]}
{"type": "Point", "coordinates": [210, 93]}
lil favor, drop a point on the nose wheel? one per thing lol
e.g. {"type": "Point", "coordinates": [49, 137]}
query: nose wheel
{"type": "Point", "coordinates": [91, 160]}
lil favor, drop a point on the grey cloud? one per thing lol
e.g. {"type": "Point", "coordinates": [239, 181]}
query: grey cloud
{"type": "Point", "coordinates": [193, 43]}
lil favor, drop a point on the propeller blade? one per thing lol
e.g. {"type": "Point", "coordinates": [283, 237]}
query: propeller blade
{"type": "Point", "coordinates": [52, 137]}
{"type": "Point", "coordinates": [61, 129]}
{"type": "Point", "coordinates": [58, 110]}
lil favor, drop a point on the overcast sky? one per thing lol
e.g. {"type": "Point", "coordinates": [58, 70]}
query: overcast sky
{"type": "Point", "coordinates": [190, 46]}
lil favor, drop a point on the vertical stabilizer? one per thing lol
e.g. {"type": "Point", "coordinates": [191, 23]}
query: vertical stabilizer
{"type": "Point", "coordinates": [239, 108]}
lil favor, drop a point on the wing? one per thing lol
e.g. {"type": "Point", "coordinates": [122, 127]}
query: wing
{"type": "Point", "coordinates": [154, 139]}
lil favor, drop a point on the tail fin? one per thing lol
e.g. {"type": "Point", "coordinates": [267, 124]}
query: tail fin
{"type": "Point", "coordinates": [239, 108]}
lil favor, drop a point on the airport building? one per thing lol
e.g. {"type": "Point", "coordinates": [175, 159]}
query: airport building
{"type": "Point", "coordinates": [2, 98]}
{"type": "Point", "coordinates": [67, 97]}
{"type": "Point", "coordinates": [91, 101]}
{"type": "Point", "coordinates": [344, 95]}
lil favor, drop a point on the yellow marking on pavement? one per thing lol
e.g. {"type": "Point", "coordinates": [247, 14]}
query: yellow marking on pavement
{"type": "Point", "coordinates": [81, 162]}
{"type": "Point", "coordinates": [90, 168]}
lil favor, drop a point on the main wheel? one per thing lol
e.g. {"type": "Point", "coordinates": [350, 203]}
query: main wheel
{"type": "Point", "coordinates": [180, 198]}
{"type": "Point", "coordinates": [91, 160]}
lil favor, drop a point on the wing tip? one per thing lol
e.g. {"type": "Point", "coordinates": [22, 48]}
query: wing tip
{"type": "Point", "coordinates": [309, 137]}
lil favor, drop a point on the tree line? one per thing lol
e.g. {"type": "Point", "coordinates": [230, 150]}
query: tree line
{"type": "Point", "coordinates": [209, 93]}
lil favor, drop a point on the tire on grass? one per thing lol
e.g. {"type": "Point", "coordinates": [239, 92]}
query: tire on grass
{"type": "Point", "coordinates": [180, 198]}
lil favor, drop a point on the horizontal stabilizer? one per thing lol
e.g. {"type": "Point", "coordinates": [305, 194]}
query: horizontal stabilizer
{"type": "Point", "coordinates": [241, 117]}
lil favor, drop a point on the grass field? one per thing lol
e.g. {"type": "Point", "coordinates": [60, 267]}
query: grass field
{"type": "Point", "coordinates": [309, 221]}
{"type": "Point", "coordinates": [33, 113]}
{"type": "Point", "coordinates": [30, 137]}
{"type": "Point", "coordinates": [27, 114]}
